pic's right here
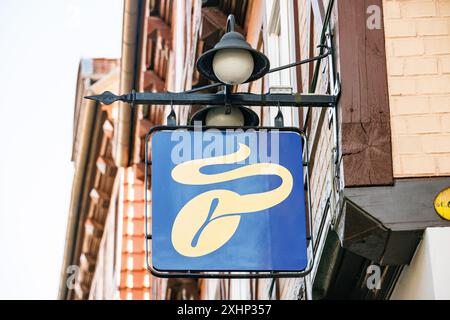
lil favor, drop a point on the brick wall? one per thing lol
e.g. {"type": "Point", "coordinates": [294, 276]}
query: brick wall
{"type": "Point", "coordinates": [135, 281]}
{"type": "Point", "coordinates": [418, 58]}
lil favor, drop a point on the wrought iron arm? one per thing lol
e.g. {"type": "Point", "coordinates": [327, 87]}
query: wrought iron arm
{"type": "Point", "coordinates": [208, 86]}
{"type": "Point", "coordinates": [294, 64]}
{"type": "Point", "coordinates": [287, 66]}
{"type": "Point", "coordinates": [246, 99]}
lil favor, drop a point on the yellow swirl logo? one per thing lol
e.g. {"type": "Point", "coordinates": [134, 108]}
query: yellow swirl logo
{"type": "Point", "coordinates": [209, 220]}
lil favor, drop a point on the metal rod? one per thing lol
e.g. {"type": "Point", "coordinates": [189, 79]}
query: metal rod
{"type": "Point", "coordinates": [209, 86]}
{"type": "Point", "coordinates": [322, 45]}
{"type": "Point", "coordinates": [147, 234]}
{"type": "Point", "coordinates": [332, 79]}
{"type": "Point", "coordinates": [246, 99]}
{"type": "Point", "coordinates": [294, 64]}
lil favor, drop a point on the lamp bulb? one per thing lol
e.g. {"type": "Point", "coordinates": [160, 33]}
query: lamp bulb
{"type": "Point", "coordinates": [233, 66]}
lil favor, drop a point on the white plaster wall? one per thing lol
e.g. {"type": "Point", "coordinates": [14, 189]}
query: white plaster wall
{"type": "Point", "coordinates": [428, 276]}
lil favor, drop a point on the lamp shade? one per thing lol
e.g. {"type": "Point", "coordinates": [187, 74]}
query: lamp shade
{"type": "Point", "coordinates": [216, 116]}
{"type": "Point", "coordinates": [233, 48]}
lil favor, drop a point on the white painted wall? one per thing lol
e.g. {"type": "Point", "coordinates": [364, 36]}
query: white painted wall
{"type": "Point", "coordinates": [428, 276]}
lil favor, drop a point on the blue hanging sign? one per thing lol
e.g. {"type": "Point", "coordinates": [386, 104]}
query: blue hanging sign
{"type": "Point", "coordinates": [228, 200]}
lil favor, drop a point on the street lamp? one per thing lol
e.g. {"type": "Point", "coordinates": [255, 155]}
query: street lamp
{"type": "Point", "coordinates": [232, 60]}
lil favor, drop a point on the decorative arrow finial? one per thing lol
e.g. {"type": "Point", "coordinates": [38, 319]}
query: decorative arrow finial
{"type": "Point", "coordinates": [106, 97]}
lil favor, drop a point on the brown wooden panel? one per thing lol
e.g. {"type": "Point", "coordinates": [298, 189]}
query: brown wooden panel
{"type": "Point", "coordinates": [366, 152]}
{"type": "Point", "coordinates": [364, 104]}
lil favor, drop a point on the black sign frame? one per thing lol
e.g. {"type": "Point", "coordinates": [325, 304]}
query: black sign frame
{"type": "Point", "coordinates": [229, 274]}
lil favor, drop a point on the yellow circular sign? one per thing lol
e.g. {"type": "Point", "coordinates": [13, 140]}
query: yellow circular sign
{"type": "Point", "coordinates": [442, 204]}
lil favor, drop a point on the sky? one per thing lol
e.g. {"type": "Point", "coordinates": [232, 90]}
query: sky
{"type": "Point", "coordinates": [41, 44]}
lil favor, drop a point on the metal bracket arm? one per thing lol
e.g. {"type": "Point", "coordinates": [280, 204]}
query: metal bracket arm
{"type": "Point", "coordinates": [245, 99]}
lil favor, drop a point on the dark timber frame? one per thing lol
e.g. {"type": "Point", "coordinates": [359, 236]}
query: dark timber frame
{"type": "Point", "coordinates": [364, 106]}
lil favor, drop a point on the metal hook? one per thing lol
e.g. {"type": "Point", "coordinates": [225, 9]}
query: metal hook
{"type": "Point", "coordinates": [172, 117]}
{"type": "Point", "coordinates": [231, 23]}
{"type": "Point", "coordinates": [279, 119]}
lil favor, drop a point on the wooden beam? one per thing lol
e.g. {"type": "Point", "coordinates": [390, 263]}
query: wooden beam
{"type": "Point", "coordinates": [364, 103]}
{"type": "Point", "coordinates": [156, 23]}
{"type": "Point", "coordinates": [215, 20]}
{"type": "Point", "coordinates": [408, 205]}
{"type": "Point", "coordinates": [153, 81]}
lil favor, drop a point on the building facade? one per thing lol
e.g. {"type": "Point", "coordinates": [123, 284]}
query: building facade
{"type": "Point", "coordinates": [376, 161]}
